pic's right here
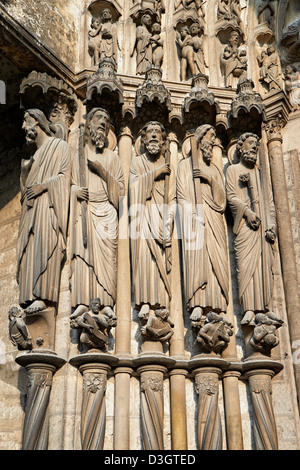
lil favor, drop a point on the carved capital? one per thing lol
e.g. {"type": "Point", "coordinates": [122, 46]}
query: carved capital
{"type": "Point", "coordinates": [273, 128]}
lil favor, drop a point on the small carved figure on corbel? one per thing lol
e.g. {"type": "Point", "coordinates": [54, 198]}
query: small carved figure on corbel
{"type": "Point", "coordinates": [265, 12]}
{"type": "Point", "coordinates": [95, 325]}
{"type": "Point", "coordinates": [159, 327]}
{"type": "Point", "coordinates": [292, 85]}
{"type": "Point", "coordinates": [269, 68]}
{"type": "Point", "coordinates": [215, 335]}
{"type": "Point", "coordinates": [233, 61]}
{"type": "Point", "coordinates": [94, 44]}
{"type": "Point", "coordinates": [18, 332]}
{"type": "Point", "coordinates": [264, 338]}
{"type": "Point", "coordinates": [157, 45]}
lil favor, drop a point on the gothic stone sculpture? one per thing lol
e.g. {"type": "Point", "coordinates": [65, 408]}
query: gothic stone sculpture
{"type": "Point", "coordinates": [45, 183]}
{"type": "Point", "coordinates": [18, 331]}
{"type": "Point", "coordinates": [103, 39]}
{"type": "Point", "coordinates": [200, 186]}
{"type": "Point", "coordinates": [191, 50]}
{"type": "Point", "coordinates": [233, 61]}
{"type": "Point", "coordinates": [215, 335]}
{"type": "Point", "coordinates": [153, 199]}
{"type": "Point", "coordinates": [97, 184]}
{"type": "Point", "coordinates": [254, 228]}
{"type": "Point", "coordinates": [95, 325]}
{"type": "Point", "coordinates": [159, 326]}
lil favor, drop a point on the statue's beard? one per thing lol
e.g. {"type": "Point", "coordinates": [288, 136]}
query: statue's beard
{"type": "Point", "coordinates": [154, 147]}
{"type": "Point", "coordinates": [31, 134]}
{"type": "Point", "coordinates": [207, 151]}
{"type": "Point", "coordinates": [98, 137]}
{"type": "Point", "coordinates": [250, 156]}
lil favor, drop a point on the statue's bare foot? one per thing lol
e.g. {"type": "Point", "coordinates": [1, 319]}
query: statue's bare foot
{"type": "Point", "coordinates": [145, 311]}
{"type": "Point", "coordinates": [196, 314]}
{"type": "Point", "coordinates": [247, 318]}
{"type": "Point", "coordinates": [36, 306]}
{"type": "Point", "coordinates": [78, 311]}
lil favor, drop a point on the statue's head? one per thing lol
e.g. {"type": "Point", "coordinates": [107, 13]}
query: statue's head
{"type": "Point", "coordinates": [14, 312]}
{"type": "Point", "coordinates": [146, 19]}
{"type": "Point", "coordinates": [153, 138]}
{"type": "Point", "coordinates": [34, 122]}
{"type": "Point", "coordinates": [247, 148]}
{"type": "Point", "coordinates": [205, 139]}
{"type": "Point", "coordinates": [234, 38]}
{"type": "Point", "coordinates": [97, 127]}
{"type": "Point", "coordinates": [106, 14]}
{"type": "Point", "coordinates": [95, 305]}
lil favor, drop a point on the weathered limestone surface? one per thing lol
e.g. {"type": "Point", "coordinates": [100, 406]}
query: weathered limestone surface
{"type": "Point", "coordinates": [53, 39]}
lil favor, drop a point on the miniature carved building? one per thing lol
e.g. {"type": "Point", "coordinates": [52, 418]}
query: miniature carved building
{"type": "Point", "coordinates": [149, 220]}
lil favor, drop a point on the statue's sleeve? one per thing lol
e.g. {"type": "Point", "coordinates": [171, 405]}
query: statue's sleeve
{"type": "Point", "coordinates": [115, 182]}
{"type": "Point", "coordinates": [237, 206]}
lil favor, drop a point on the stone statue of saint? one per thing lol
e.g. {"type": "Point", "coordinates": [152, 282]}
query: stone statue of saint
{"type": "Point", "coordinates": [95, 325]}
{"type": "Point", "coordinates": [109, 37]}
{"type": "Point", "coordinates": [18, 331]}
{"type": "Point", "coordinates": [254, 228]}
{"type": "Point", "coordinates": [45, 191]}
{"type": "Point", "coordinates": [96, 186]}
{"type": "Point", "coordinates": [202, 199]}
{"type": "Point", "coordinates": [152, 206]}
{"type": "Point", "coordinates": [269, 73]}
{"type": "Point", "coordinates": [191, 50]}
{"type": "Point", "coordinates": [292, 84]}
{"type": "Point", "coordinates": [143, 45]}
{"type": "Point", "coordinates": [233, 61]}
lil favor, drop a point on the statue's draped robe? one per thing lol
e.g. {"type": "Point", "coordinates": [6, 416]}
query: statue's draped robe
{"type": "Point", "coordinates": [254, 253]}
{"type": "Point", "coordinates": [109, 45]}
{"type": "Point", "coordinates": [150, 260]}
{"type": "Point", "coordinates": [144, 49]}
{"type": "Point", "coordinates": [205, 261]}
{"type": "Point", "coordinates": [94, 267]}
{"type": "Point", "coordinates": [43, 223]}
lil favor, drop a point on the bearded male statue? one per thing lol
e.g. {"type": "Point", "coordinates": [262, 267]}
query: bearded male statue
{"type": "Point", "coordinates": [96, 186]}
{"type": "Point", "coordinates": [254, 229]}
{"type": "Point", "coordinates": [202, 199]}
{"type": "Point", "coordinates": [45, 190]}
{"type": "Point", "coordinates": [152, 201]}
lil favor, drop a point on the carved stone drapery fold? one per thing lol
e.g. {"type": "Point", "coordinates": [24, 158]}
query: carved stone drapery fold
{"type": "Point", "coordinates": [40, 368]}
{"type": "Point", "coordinates": [209, 429]}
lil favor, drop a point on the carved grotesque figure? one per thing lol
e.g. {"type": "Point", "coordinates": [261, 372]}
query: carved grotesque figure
{"type": "Point", "coordinates": [159, 327]}
{"type": "Point", "coordinates": [254, 227]}
{"type": "Point", "coordinates": [95, 325]}
{"type": "Point", "coordinates": [45, 182]}
{"type": "Point", "coordinates": [215, 335]}
{"type": "Point", "coordinates": [152, 213]}
{"type": "Point", "coordinates": [202, 199]}
{"type": "Point", "coordinates": [97, 184]}
{"type": "Point", "coordinates": [264, 338]}
{"type": "Point", "coordinates": [18, 332]}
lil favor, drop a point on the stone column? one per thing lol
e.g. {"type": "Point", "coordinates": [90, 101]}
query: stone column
{"type": "Point", "coordinates": [41, 366]}
{"type": "Point", "coordinates": [94, 368]}
{"type": "Point", "coordinates": [177, 375]}
{"type": "Point", "coordinates": [123, 308]}
{"type": "Point", "coordinates": [207, 371]}
{"type": "Point", "coordinates": [285, 234]}
{"type": "Point", "coordinates": [259, 375]}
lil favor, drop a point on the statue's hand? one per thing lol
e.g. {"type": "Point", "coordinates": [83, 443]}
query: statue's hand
{"type": "Point", "coordinates": [163, 170]}
{"type": "Point", "coordinates": [253, 220]}
{"type": "Point", "coordinates": [83, 194]}
{"type": "Point", "coordinates": [35, 191]}
{"type": "Point", "coordinates": [271, 235]}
